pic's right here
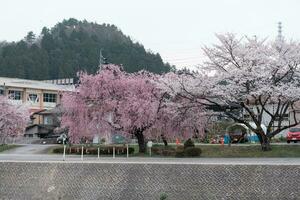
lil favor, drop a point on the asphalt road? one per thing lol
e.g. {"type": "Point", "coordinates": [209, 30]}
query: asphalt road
{"type": "Point", "coordinates": [36, 153]}
{"type": "Point", "coordinates": [29, 149]}
{"type": "Point", "coordinates": [139, 160]}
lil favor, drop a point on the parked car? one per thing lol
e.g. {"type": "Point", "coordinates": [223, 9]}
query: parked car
{"type": "Point", "coordinates": [293, 135]}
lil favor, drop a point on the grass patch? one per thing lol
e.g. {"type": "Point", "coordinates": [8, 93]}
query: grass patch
{"type": "Point", "coordinates": [251, 151]}
{"type": "Point", "coordinates": [218, 151]}
{"type": "Point", "coordinates": [4, 147]}
{"type": "Point", "coordinates": [247, 151]}
{"type": "Point", "coordinates": [51, 149]}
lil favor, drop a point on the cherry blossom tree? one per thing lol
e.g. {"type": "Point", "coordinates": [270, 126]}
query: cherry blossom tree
{"type": "Point", "coordinates": [130, 103]}
{"type": "Point", "coordinates": [188, 114]}
{"type": "Point", "coordinates": [256, 78]}
{"type": "Point", "coordinates": [76, 117]}
{"type": "Point", "coordinates": [13, 119]}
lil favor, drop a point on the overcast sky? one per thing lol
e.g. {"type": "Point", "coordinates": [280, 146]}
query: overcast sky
{"type": "Point", "coordinates": [174, 28]}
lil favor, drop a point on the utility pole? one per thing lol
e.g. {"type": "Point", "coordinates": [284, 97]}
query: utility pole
{"type": "Point", "coordinates": [280, 37]}
{"type": "Point", "coordinates": [4, 89]}
{"type": "Point", "coordinates": [102, 60]}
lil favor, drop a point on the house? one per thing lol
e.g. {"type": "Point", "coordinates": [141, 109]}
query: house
{"type": "Point", "coordinates": [44, 123]}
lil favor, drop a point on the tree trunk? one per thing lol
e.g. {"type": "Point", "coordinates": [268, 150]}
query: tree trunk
{"type": "Point", "coordinates": [265, 142]}
{"type": "Point", "coordinates": [141, 141]}
{"type": "Point", "coordinates": [164, 140]}
{"type": "Point", "coordinates": [3, 140]}
{"type": "Point", "coordinates": [265, 145]}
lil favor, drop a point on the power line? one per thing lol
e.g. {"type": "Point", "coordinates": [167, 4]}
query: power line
{"type": "Point", "coordinates": [180, 59]}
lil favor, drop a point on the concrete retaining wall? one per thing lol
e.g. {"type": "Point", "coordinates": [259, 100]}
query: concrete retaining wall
{"type": "Point", "coordinates": [147, 181]}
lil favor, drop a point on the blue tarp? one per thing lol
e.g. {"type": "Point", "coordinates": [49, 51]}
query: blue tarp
{"type": "Point", "coordinates": [253, 138]}
{"type": "Point", "coordinates": [226, 139]}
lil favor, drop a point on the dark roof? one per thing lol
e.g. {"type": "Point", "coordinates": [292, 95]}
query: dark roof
{"type": "Point", "coordinates": [48, 127]}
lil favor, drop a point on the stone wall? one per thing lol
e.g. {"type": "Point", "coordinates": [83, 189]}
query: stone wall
{"type": "Point", "coordinates": [147, 181]}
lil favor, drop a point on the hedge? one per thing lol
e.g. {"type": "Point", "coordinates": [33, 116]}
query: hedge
{"type": "Point", "coordinates": [163, 150]}
{"type": "Point", "coordinates": [188, 151]}
{"type": "Point", "coordinates": [178, 151]}
{"type": "Point", "coordinates": [192, 152]}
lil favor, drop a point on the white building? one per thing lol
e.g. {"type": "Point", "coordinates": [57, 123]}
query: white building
{"type": "Point", "coordinates": [37, 95]}
{"type": "Point", "coordinates": [40, 97]}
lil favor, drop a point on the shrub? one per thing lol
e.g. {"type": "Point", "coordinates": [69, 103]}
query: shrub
{"type": "Point", "coordinates": [131, 150]}
{"type": "Point", "coordinates": [92, 151]}
{"type": "Point", "coordinates": [103, 140]}
{"type": "Point", "coordinates": [179, 151]}
{"type": "Point", "coordinates": [163, 150]}
{"type": "Point", "coordinates": [156, 150]}
{"type": "Point", "coordinates": [58, 150]}
{"type": "Point", "coordinates": [168, 152]}
{"type": "Point", "coordinates": [192, 151]}
{"type": "Point", "coordinates": [163, 196]}
{"type": "Point", "coordinates": [279, 139]}
{"type": "Point", "coordinates": [189, 143]}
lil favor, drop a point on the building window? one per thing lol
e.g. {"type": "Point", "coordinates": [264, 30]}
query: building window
{"type": "Point", "coordinates": [1, 91]}
{"type": "Point", "coordinates": [33, 98]}
{"type": "Point", "coordinates": [49, 97]}
{"type": "Point", "coordinates": [15, 95]}
{"type": "Point", "coordinates": [285, 117]}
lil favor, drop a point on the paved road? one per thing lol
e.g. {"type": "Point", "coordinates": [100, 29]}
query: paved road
{"type": "Point", "coordinates": [36, 153]}
{"type": "Point", "coordinates": [29, 149]}
{"type": "Point", "coordinates": [143, 160]}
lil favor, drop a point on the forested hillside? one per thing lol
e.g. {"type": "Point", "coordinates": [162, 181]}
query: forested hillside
{"type": "Point", "coordinates": [72, 46]}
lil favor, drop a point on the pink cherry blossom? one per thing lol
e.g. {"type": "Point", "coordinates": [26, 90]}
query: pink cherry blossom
{"type": "Point", "coordinates": [13, 119]}
{"type": "Point", "coordinates": [132, 103]}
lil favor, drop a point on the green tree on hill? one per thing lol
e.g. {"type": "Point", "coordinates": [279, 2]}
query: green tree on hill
{"type": "Point", "coordinates": [72, 46]}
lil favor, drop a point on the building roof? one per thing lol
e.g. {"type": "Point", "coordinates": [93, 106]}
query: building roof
{"type": "Point", "coordinates": [33, 84]}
